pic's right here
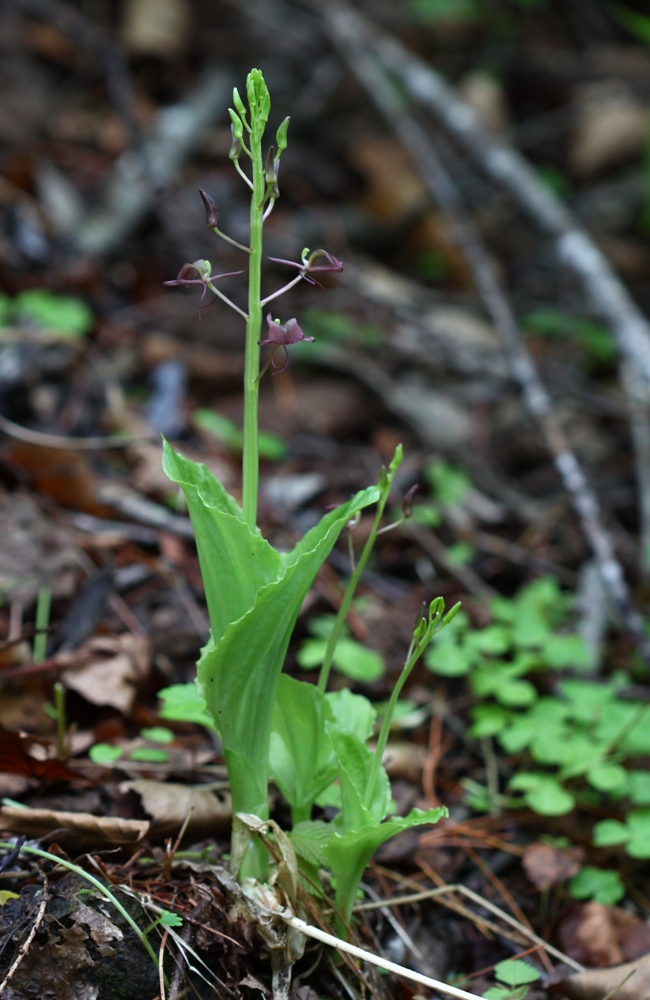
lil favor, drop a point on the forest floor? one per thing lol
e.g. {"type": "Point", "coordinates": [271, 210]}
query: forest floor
{"type": "Point", "coordinates": [489, 317]}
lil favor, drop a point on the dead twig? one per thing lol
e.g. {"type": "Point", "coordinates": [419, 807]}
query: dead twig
{"type": "Point", "coordinates": [24, 948]}
{"type": "Point", "coordinates": [353, 36]}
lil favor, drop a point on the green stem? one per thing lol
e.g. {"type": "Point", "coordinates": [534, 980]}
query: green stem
{"type": "Point", "coordinates": [412, 658]}
{"type": "Point", "coordinates": [349, 594]}
{"type": "Point", "coordinates": [250, 460]}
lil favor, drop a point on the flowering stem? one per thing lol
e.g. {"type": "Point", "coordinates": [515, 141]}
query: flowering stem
{"type": "Point", "coordinates": [335, 634]}
{"type": "Point", "coordinates": [250, 458]}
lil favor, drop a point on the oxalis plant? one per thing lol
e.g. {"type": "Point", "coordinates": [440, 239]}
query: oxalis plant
{"type": "Point", "coordinates": [312, 743]}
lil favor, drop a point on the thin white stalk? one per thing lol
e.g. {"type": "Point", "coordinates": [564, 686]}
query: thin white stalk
{"type": "Point", "coordinates": [228, 302]}
{"type": "Point", "coordinates": [269, 209]}
{"type": "Point", "coordinates": [241, 172]}
{"type": "Point", "coordinates": [281, 291]}
{"type": "Point", "coordinates": [382, 963]}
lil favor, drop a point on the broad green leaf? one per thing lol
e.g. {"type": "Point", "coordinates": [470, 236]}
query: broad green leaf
{"type": "Point", "coordinates": [489, 720]}
{"type": "Point", "coordinates": [350, 658]}
{"type": "Point", "coordinates": [105, 753]}
{"type": "Point", "coordinates": [600, 884]}
{"type": "Point", "coordinates": [235, 562]}
{"type": "Point", "coordinates": [561, 651]}
{"type": "Point", "coordinates": [355, 763]}
{"type": "Point", "coordinates": [183, 703]}
{"type": "Point", "coordinates": [515, 972]}
{"type": "Point", "coordinates": [516, 693]}
{"type": "Point", "coordinates": [301, 757]}
{"type": "Point", "coordinates": [67, 316]}
{"type": "Point", "coordinates": [157, 734]}
{"type": "Point", "coordinates": [495, 639]}
{"type": "Point", "coordinates": [607, 777]}
{"type": "Point", "coordinates": [543, 794]}
{"type": "Point", "coordinates": [609, 832]}
{"type": "Point", "coordinates": [150, 755]}
{"type": "Point", "coordinates": [270, 446]}
{"type": "Point", "coordinates": [504, 993]}
{"type": "Point", "coordinates": [639, 787]}
{"type": "Point", "coordinates": [168, 919]}
{"type": "Point", "coordinates": [352, 713]}
{"type": "Point", "coordinates": [349, 853]}
{"type": "Point", "coordinates": [310, 839]}
{"type": "Point", "coordinates": [448, 657]}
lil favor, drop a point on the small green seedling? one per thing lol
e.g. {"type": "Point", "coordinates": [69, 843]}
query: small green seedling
{"type": "Point", "coordinates": [600, 884]}
{"type": "Point", "coordinates": [514, 977]}
{"type": "Point", "coordinates": [350, 658]}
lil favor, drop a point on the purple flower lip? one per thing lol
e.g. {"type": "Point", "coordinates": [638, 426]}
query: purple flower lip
{"type": "Point", "coordinates": [308, 266]}
{"type": "Point", "coordinates": [280, 335]}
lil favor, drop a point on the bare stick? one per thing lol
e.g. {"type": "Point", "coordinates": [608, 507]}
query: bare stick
{"type": "Point", "coordinates": [24, 948]}
{"type": "Point", "coordinates": [506, 166]}
{"type": "Point", "coordinates": [59, 441]}
{"type": "Point", "coordinates": [367, 69]}
{"type": "Point", "coordinates": [381, 963]}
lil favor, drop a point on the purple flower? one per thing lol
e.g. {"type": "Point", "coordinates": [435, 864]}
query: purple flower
{"type": "Point", "coordinates": [199, 273]}
{"type": "Point", "coordinates": [280, 335]}
{"type": "Point", "coordinates": [308, 266]}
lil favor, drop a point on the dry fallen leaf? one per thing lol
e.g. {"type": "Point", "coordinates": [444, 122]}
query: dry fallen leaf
{"type": "Point", "coordinates": [156, 27]}
{"type": "Point", "coordinates": [598, 935]}
{"type": "Point", "coordinates": [107, 669]}
{"type": "Point", "coordinates": [169, 805]}
{"type": "Point", "coordinates": [78, 831]}
{"type": "Point", "coordinates": [546, 865]}
{"type": "Point", "coordinates": [612, 125]}
{"type": "Point", "coordinates": [622, 982]}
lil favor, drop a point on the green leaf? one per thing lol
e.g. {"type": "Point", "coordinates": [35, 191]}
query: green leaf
{"type": "Point", "coordinates": [495, 639]}
{"type": "Point", "coordinates": [543, 794]}
{"type": "Point", "coordinates": [349, 853]}
{"type": "Point", "coordinates": [489, 720]}
{"type": "Point", "coordinates": [448, 657]}
{"type": "Point", "coordinates": [449, 484]}
{"type": "Point", "coordinates": [310, 839]}
{"type": "Point", "coordinates": [515, 972]}
{"type": "Point", "coordinates": [607, 777]}
{"type": "Point", "coordinates": [254, 595]}
{"type": "Point", "coordinates": [355, 765]}
{"type": "Point", "coordinates": [183, 703]}
{"type": "Point", "coordinates": [157, 734]}
{"type": "Point", "coordinates": [149, 755]}
{"type": "Point", "coordinates": [104, 753]}
{"type": "Point", "coordinates": [600, 884]}
{"type": "Point", "coordinates": [562, 651]}
{"type": "Point", "coordinates": [638, 824]}
{"type": "Point", "coordinates": [639, 787]}
{"type": "Point", "coordinates": [270, 446]}
{"type": "Point", "coordinates": [609, 832]}
{"type": "Point", "coordinates": [301, 757]}
{"type": "Point", "coordinates": [63, 314]}
{"type": "Point", "coordinates": [168, 919]}
{"type": "Point", "coordinates": [516, 693]}
{"type": "Point", "coordinates": [352, 713]}
{"type": "Point", "coordinates": [503, 993]}
{"type": "Point", "coordinates": [350, 658]}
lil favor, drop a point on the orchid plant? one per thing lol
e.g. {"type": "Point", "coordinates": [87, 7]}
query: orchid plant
{"type": "Point", "coordinates": [311, 742]}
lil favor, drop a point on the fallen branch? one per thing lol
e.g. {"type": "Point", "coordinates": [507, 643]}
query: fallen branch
{"type": "Point", "coordinates": [381, 963]}
{"type": "Point", "coordinates": [352, 37]}
{"type": "Point", "coordinates": [138, 177]}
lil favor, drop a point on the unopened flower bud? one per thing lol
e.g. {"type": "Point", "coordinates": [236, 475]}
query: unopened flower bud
{"type": "Point", "coordinates": [211, 210]}
{"type": "Point", "coordinates": [281, 137]}
{"type": "Point", "coordinates": [407, 500]}
{"type": "Point", "coordinates": [237, 126]}
{"type": "Point", "coordinates": [235, 146]}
